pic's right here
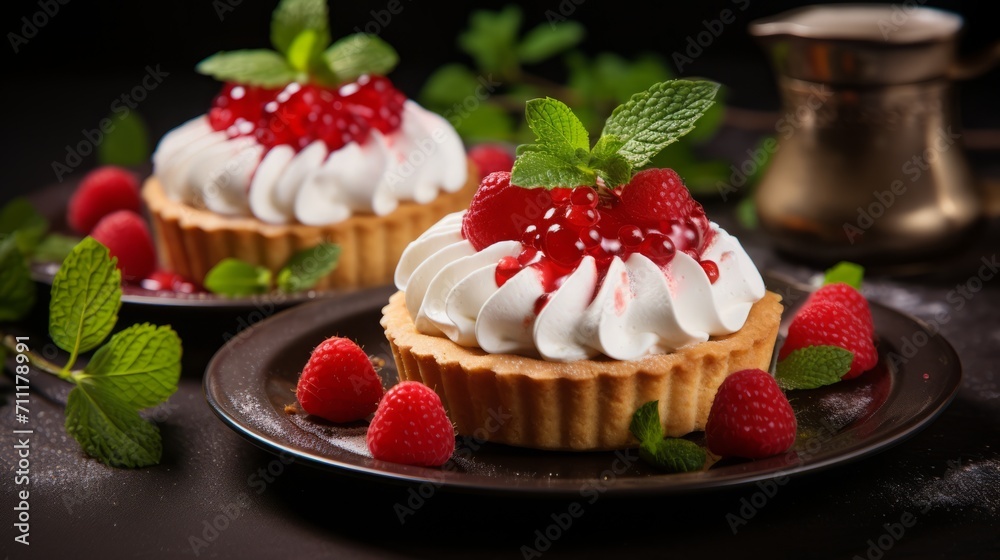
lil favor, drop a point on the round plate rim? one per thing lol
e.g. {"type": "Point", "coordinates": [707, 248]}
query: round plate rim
{"type": "Point", "coordinates": [404, 474]}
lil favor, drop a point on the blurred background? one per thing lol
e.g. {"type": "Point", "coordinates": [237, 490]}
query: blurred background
{"type": "Point", "coordinates": [67, 74]}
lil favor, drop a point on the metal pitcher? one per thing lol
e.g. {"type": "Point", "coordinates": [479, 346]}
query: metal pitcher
{"type": "Point", "coordinates": [869, 164]}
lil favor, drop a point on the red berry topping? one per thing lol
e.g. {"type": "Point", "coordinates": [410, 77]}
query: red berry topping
{"type": "Point", "coordinates": [339, 382]}
{"type": "Point", "coordinates": [125, 235]}
{"type": "Point", "coordinates": [711, 270]}
{"type": "Point", "coordinates": [375, 101]}
{"type": "Point", "coordinates": [162, 280]}
{"type": "Point", "coordinates": [299, 114]}
{"type": "Point", "coordinates": [411, 427]}
{"type": "Point", "coordinates": [237, 108]}
{"type": "Point", "coordinates": [101, 192]}
{"type": "Point", "coordinates": [499, 211]}
{"type": "Point", "coordinates": [827, 323]}
{"type": "Point", "coordinates": [561, 226]}
{"type": "Point", "coordinates": [750, 417]}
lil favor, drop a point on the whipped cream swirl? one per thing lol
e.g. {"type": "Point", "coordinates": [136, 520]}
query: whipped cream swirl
{"type": "Point", "coordinates": [237, 176]}
{"type": "Point", "coordinates": [638, 309]}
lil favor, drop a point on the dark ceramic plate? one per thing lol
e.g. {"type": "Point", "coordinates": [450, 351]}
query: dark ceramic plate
{"type": "Point", "coordinates": [251, 380]}
{"type": "Point", "coordinates": [132, 294]}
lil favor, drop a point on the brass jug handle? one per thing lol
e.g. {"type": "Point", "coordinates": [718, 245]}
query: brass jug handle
{"type": "Point", "coordinates": [979, 64]}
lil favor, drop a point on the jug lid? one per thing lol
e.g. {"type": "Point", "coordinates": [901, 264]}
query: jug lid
{"type": "Point", "coordinates": [861, 44]}
{"type": "Point", "coordinates": [862, 22]}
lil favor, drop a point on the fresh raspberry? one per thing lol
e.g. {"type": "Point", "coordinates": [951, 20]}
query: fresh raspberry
{"type": "Point", "coordinates": [101, 192]}
{"type": "Point", "coordinates": [827, 323]}
{"type": "Point", "coordinates": [411, 427]}
{"type": "Point", "coordinates": [490, 158]}
{"type": "Point", "coordinates": [849, 297]}
{"type": "Point", "coordinates": [657, 199]}
{"type": "Point", "coordinates": [499, 211]}
{"type": "Point", "coordinates": [125, 235]}
{"type": "Point", "coordinates": [750, 417]}
{"type": "Point", "coordinates": [339, 382]}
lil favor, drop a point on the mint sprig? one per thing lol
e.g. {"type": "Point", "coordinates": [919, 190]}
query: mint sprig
{"type": "Point", "coordinates": [653, 119]}
{"type": "Point", "coordinates": [636, 131]}
{"type": "Point", "coordinates": [300, 36]}
{"type": "Point", "coordinates": [813, 367]}
{"type": "Point", "coordinates": [86, 297]}
{"type": "Point", "coordinates": [138, 368]}
{"type": "Point", "coordinates": [673, 454]}
{"type": "Point", "coordinates": [17, 289]}
{"type": "Point", "coordinates": [236, 278]}
{"type": "Point", "coordinates": [846, 272]}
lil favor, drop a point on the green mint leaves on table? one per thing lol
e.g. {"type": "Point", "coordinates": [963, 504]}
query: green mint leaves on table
{"type": "Point", "coordinates": [236, 278]}
{"type": "Point", "coordinates": [636, 131]}
{"type": "Point", "coordinates": [672, 454]}
{"type": "Point", "coordinates": [137, 368]}
{"type": "Point", "coordinates": [300, 35]}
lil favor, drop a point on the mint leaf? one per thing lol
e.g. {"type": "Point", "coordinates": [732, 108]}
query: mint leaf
{"type": "Point", "coordinates": [448, 87]}
{"type": "Point", "coordinates": [613, 169]}
{"type": "Point", "coordinates": [109, 430]}
{"type": "Point", "coordinates": [125, 144]}
{"type": "Point", "coordinates": [812, 367]}
{"type": "Point", "coordinates": [251, 67]}
{"type": "Point", "coordinates": [140, 365]}
{"type": "Point", "coordinates": [17, 289]}
{"type": "Point", "coordinates": [674, 455]}
{"type": "Point", "coordinates": [305, 48]}
{"type": "Point", "coordinates": [846, 272]}
{"type": "Point", "coordinates": [235, 278]}
{"type": "Point", "coordinates": [645, 424]}
{"type": "Point", "coordinates": [308, 267]}
{"type": "Point", "coordinates": [653, 119]}
{"type": "Point", "coordinates": [541, 168]}
{"type": "Point", "coordinates": [491, 39]}
{"type": "Point", "coordinates": [359, 54]}
{"type": "Point", "coordinates": [54, 247]}
{"type": "Point", "coordinates": [20, 219]}
{"type": "Point", "coordinates": [548, 40]}
{"type": "Point", "coordinates": [292, 17]}
{"type": "Point", "coordinates": [556, 127]}
{"type": "Point", "coordinates": [86, 297]}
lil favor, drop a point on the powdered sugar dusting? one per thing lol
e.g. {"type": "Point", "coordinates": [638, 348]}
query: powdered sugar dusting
{"type": "Point", "coordinates": [350, 439]}
{"type": "Point", "coordinates": [842, 408]}
{"type": "Point", "coordinates": [972, 485]}
{"type": "Point", "coordinates": [260, 415]}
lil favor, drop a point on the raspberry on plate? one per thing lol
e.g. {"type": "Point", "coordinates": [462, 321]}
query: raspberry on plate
{"type": "Point", "coordinates": [127, 238]}
{"type": "Point", "coordinates": [339, 382]}
{"type": "Point", "coordinates": [823, 322]}
{"type": "Point", "coordinates": [411, 427]}
{"type": "Point", "coordinates": [101, 192]}
{"type": "Point", "coordinates": [750, 417]}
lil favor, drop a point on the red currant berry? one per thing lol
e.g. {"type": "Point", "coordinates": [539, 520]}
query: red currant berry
{"type": "Point", "coordinates": [658, 248]}
{"type": "Point", "coordinates": [711, 270]}
{"type": "Point", "coordinates": [580, 216]}
{"type": "Point", "coordinates": [584, 196]}
{"type": "Point", "coordinates": [563, 246]}
{"type": "Point", "coordinates": [630, 236]}
{"type": "Point", "coordinates": [561, 195]}
{"type": "Point", "coordinates": [506, 269]}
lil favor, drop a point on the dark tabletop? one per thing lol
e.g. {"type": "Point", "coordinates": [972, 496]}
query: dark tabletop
{"type": "Point", "coordinates": [937, 495]}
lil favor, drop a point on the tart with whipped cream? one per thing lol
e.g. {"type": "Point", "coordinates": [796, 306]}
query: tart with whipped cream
{"type": "Point", "coordinates": [574, 289]}
{"type": "Point", "coordinates": [305, 145]}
